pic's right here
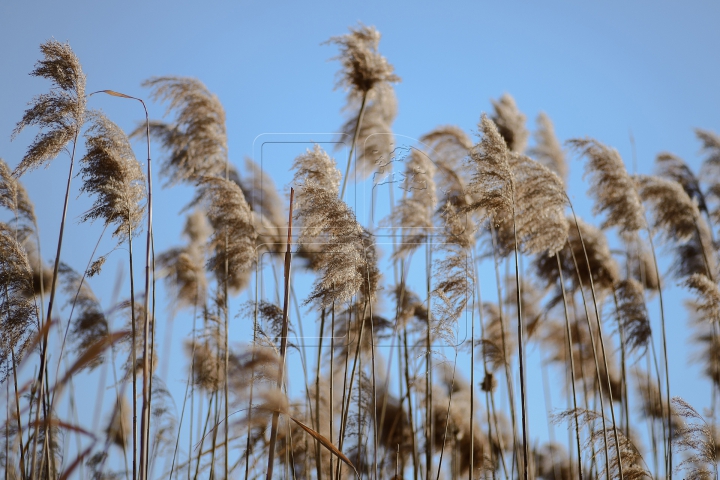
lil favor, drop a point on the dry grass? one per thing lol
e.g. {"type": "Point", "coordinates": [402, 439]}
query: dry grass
{"type": "Point", "coordinates": [405, 411]}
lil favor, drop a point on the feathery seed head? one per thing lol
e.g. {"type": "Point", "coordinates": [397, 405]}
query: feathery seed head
{"type": "Point", "coordinates": [695, 436]}
{"type": "Point", "coordinates": [318, 167]}
{"type": "Point", "coordinates": [234, 234]}
{"type": "Point", "coordinates": [708, 297]}
{"type": "Point", "coordinates": [510, 123]}
{"type": "Point", "coordinates": [118, 431]}
{"type": "Point", "coordinates": [632, 314]}
{"type": "Point", "coordinates": [89, 324]}
{"type": "Point", "coordinates": [677, 216]}
{"type": "Point", "coordinates": [547, 149]}
{"type": "Point", "coordinates": [348, 259]}
{"type": "Point", "coordinates": [674, 168]}
{"type": "Point", "coordinates": [196, 141]}
{"type": "Point", "coordinates": [540, 202]}
{"type": "Point", "coordinates": [612, 187]}
{"type": "Point", "coordinates": [110, 171]}
{"type": "Point", "coordinates": [60, 113]}
{"type": "Point", "coordinates": [414, 212]}
{"type": "Point", "coordinates": [14, 197]}
{"type": "Point", "coordinates": [363, 66]}
{"type": "Point", "coordinates": [710, 145]}
{"type": "Point", "coordinates": [492, 187]}
{"type": "Point", "coordinates": [604, 268]}
{"type": "Point", "coordinates": [449, 147]}
{"type": "Point", "coordinates": [197, 229]}
{"type": "Point", "coordinates": [675, 212]}
{"type": "Point", "coordinates": [19, 313]}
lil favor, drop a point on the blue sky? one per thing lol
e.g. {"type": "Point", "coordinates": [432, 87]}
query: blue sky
{"type": "Point", "coordinates": [599, 69]}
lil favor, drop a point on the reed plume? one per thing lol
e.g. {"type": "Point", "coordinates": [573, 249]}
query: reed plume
{"type": "Point", "coordinates": [196, 141]}
{"type": "Point", "coordinates": [540, 222]}
{"type": "Point", "coordinates": [262, 197]}
{"type": "Point", "coordinates": [414, 211]}
{"type": "Point", "coordinates": [60, 114]}
{"type": "Point", "coordinates": [89, 324]}
{"type": "Point", "coordinates": [454, 284]}
{"type": "Point", "coordinates": [448, 147]}
{"type": "Point", "coordinates": [552, 463]}
{"type": "Point", "coordinates": [362, 65]}
{"type": "Point", "coordinates": [703, 314]}
{"type": "Point", "coordinates": [364, 69]}
{"type": "Point", "coordinates": [708, 297]}
{"type": "Point", "coordinates": [111, 172]}
{"type": "Point", "coordinates": [491, 187]}
{"type": "Point", "coordinates": [184, 267]}
{"type": "Point", "coordinates": [625, 458]}
{"type": "Point", "coordinates": [15, 198]}
{"type": "Point", "coordinates": [632, 314]}
{"type": "Point", "coordinates": [677, 216]}
{"type": "Point", "coordinates": [614, 190]}
{"type": "Point", "coordinates": [118, 429]}
{"type": "Point", "coordinates": [695, 437]}
{"type": "Point", "coordinates": [673, 168]}
{"type": "Point", "coordinates": [642, 265]}
{"type": "Point", "coordinates": [510, 123]}
{"type": "Point", "coordinates": [318, 167]}
{"type": "Point", "coordinates": [208, 367]}
{"type": "Point", "coordinates": [324, 215]}
{"type": "Point", "coordinates": [234, 235]}
{"type": "Point", "coordinates": [547, 149]}
{"type": "Point", "coordinates": [41, 272]}
{"type": "Point", "coordinates": [19, 320]}
{"type": "Point", "coordinates": [497, 343]}
{"type": "Point", "coordinates": [602, 266]}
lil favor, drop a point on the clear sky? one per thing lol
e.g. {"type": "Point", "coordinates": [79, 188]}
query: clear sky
{"type": "Point", "coordinates": [599, 69]}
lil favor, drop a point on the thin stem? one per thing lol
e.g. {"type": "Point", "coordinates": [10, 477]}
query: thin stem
{"type": "Point", "coordinates": [283, 342]}
{"type": "Point", "coordinates": [354, 142]}
{"type": "Point", "coordinates": [521, 354]}
{"type": "Point", "coordinates": [571, 354]}
{"type": "Point", "coordinates": [43, 348]}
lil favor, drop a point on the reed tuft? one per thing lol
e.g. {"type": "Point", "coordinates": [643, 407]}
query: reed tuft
{"type": "Point", "coordinates": [547, 149]}
{"type": "Point", "coordinates": [510, 123]}
{"type": "Point", "coordinates": [60, 113]}
{"type": "Point", "coordinates": [111, 172]}
{"type": "Point", "coordinates": [362, 65]}
{"type": "Point", "coordinates": [234, 235]}
{"type": "Point", "coordinates": [632, 314]}
{"type": "Point", "coordinates": [614, 191]}
{"type": "Point", "coordinates": [196, 141]}
{"type": "Point", "coordinates": [491, 187]}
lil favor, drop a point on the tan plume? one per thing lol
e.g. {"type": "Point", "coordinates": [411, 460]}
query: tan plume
{"type": "Point", "coordinates": [60, 114]}
{"type": "Point", "coordinates": [614, 191]}
{"type": "Point", "coordinates": [547, 149]}
{"type": "Point", "coordinates": [196, 141]}
{"type": "Point", "coordinates": [510, 123]}
{"type": "Point", "coordinates": [111, 173]}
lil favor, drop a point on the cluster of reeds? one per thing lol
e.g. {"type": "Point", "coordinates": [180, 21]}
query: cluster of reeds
{"type": "Point", "coordinates": [419, 367]}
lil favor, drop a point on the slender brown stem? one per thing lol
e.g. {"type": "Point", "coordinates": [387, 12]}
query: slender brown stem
{"type": "Point", "coordinates": [43, 347]}
{"type": "Point", "coordinates": [354, 142]}
{"type": "Point", "coordinates": [521, 355]}
{"type": "Point", "coordinates": [283, 342]}
{"type": "Point", "coordinates": [594, 350]}
{"type": "Point", "coordinates": [318, 463]}
{"type": "Point", "coordinates": [571, 354]}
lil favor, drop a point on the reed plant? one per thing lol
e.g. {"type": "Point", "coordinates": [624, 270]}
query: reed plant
{"type": "Point", "coordinates": [399, 389]}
